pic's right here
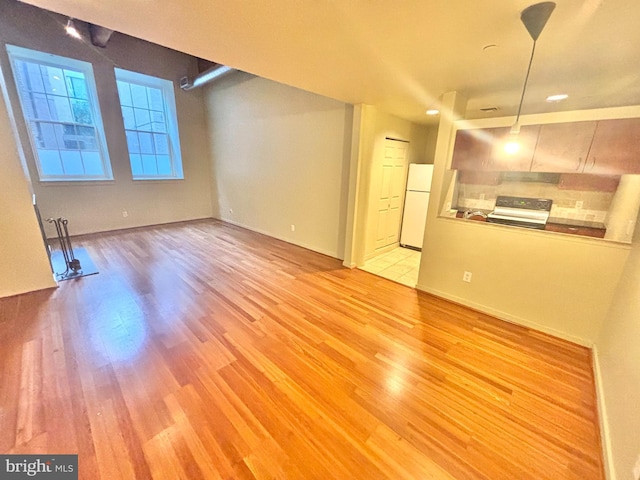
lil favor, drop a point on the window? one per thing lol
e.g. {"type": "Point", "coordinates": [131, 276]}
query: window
{"type": "Point", "coordinates": [149, 114]}
{"type": "Point", "coordinates": [59, 104]}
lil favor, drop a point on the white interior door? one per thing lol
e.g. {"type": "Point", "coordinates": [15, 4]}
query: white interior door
{"type": "Point", "coordinates": [391, 192]}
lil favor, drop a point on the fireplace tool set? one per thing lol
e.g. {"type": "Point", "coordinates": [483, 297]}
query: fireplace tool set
{"type": "Point", "coordinates": [72, 264]}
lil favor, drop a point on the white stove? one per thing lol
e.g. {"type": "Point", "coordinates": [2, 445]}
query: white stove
{"type": "Point", "coordinates": [521, 211]}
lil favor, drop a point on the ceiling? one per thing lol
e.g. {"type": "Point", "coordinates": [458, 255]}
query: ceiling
{"type": "Point", "coordinates": [400, 55]}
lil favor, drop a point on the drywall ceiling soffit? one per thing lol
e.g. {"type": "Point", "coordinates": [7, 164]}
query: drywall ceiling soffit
{"type": "Point", "coordinates": [400, 56]}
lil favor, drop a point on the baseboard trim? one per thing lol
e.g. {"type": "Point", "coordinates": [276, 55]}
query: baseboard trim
{"type": "Point", "coordinates": [26, 292]}
{"type": "Point", "coordinates": [283, 239]}
{"type": "Point", "coordinates": [605, 437]}
{"type": "Point", "coordinates": [79, 236]}
{"type": "Point", "coordinates": [507, 317]}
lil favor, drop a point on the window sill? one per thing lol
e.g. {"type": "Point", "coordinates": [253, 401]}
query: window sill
{"type": "Point", "coordinates": [76, 182]}
{"type": "Point", "coordinates": [156, 179]}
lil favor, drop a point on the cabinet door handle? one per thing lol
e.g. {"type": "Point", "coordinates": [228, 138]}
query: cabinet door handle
{"type": "Point", "coordinates": [593, 164]}
{"type": "Point", "coordinates": [579, 163]}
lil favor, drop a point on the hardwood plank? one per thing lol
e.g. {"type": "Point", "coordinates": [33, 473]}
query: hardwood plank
{"type": "Point", "coordinates": [206, 351]}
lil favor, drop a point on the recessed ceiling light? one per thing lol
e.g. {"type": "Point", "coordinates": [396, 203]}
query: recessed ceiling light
{"type": "Point", "coordinates": [432, 111]}
{"type": "Point", "coordinates": [557, 98]}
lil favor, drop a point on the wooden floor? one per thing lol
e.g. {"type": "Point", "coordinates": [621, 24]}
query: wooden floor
{"type": "Point", "coordinates": [204, 351]}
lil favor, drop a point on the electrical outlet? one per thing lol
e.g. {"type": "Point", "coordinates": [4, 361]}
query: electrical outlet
{"type": "Point", "coordinates": [293, 227]}
{"type": "Point", "coordinates": [579, 204]}
{"type": "Point", "coordinates": [466, 277]}
{"type": "Point", "coordinates": [636, 469]}
{"type": "Point", "coordinates": [125, 214]}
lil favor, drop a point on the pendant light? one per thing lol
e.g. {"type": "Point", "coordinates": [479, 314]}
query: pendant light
{"type": "Point", "coordinates": [534, 18]}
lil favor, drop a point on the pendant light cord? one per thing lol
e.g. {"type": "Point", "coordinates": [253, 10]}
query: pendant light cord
{"type": "Point", "coordinates": [526, 79]}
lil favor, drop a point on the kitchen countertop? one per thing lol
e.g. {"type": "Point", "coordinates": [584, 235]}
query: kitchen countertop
{"type": "Point", "coordinates": [473, 210]}
{"type": "Point", "coordinates": [569, 222]}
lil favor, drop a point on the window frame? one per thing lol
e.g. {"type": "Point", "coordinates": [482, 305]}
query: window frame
{"type": "Point", "coordinates": [57, 61]}
{"type": "Point", "coordinates": [171, 121]}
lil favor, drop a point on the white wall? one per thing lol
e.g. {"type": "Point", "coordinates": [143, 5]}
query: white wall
{"type": "Point", "coordinates": [618, 358]}
{"type": "Point", "coordinates": [98, 206]}
{"type": "Point", "coordinates": [23, 258]}
{"type": "Point", "coordinates": [546, 281]}
{"type": "Point", "coordinates": [280, 157]}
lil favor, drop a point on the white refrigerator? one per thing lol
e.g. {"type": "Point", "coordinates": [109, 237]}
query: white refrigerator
{"type": "Point", "coordinates": [416, 203]}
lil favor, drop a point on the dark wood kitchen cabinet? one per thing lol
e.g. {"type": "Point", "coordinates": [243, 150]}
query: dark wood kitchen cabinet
{"type": "Point", "coordinates": [519, 161]}
{"type": "Point", "coordinates": [472, 149]}
{"type": "Point", "coordinates": [615, 149]}
{"type": "Point", "coordinates": [604, 147]}
{"type": "Point", "coordinates": [563, 147]}
{"type": "Point", "coordinates": [482, 149]}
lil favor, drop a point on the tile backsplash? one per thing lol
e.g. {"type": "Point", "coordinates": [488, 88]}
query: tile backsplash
{"type": "Point", "coordinates": [566, 203]}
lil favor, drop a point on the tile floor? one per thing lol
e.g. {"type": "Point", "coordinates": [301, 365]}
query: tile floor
{"type": "Point", "coordinates": [400, 265]}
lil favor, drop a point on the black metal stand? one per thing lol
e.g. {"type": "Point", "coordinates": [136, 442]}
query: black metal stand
{"type": "Point", "coordinates": [73, 267]}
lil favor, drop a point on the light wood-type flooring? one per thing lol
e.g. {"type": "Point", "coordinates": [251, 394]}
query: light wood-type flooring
{"type": "Point", "coordinates": [205, 351]}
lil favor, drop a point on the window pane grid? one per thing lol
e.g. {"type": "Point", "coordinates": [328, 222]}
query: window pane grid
{"type": "Point", "coordinates": [150, 151]}
{"type": "Point", "coordinates": [144, 112]}
{"type": "Point", "coordinates": [59, 115]}
{"type": "Point", "coordinates": [37, 85]}
{"type": "Point", "coordinates": [64, 136]}
{"type": "Point", "coordinates": [69, 149]}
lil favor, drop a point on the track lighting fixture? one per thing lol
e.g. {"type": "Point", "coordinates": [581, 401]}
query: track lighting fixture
{"type": "Point", "coordinates": [71, 29]}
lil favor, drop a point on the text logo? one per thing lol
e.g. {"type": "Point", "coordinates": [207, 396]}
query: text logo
{"type": "Point", "coordinates": [49, 467]}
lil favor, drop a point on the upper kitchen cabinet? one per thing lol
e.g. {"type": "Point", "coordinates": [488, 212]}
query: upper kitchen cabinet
{"type": "Point", "coordinates": [603, 147]}
{"type": "Point", "coordinates": [472, 149]}
{"type": "Point", "coordinates": [563, 147]}
{"type": "Point", "coordinates": [615, 149]}
{"type": "Point", "coordinates": [483, 149]}
{"type": "Point", "coordinates": [520, 160]}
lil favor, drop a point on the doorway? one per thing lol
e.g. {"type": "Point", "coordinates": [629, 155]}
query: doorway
{"type": "Point", "coordinates": [388, 181]}
{"type": "Point", "coordinates": [392, 175]}
{"type": "Point", "coordinates": [400, 265]}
